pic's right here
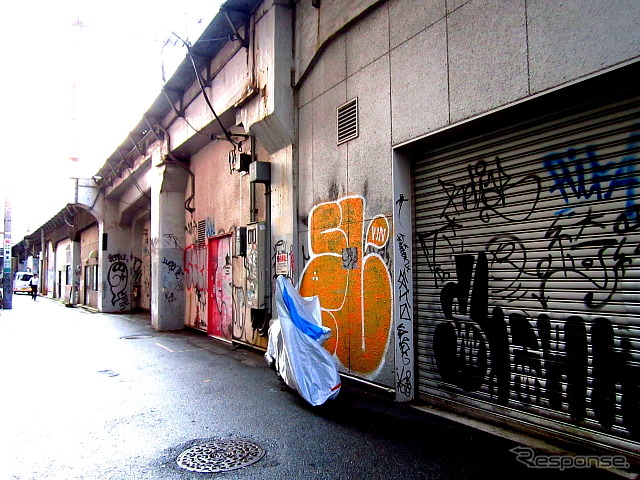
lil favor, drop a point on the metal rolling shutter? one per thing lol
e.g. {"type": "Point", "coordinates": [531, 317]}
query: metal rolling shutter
{"type": "Point", "coordinates": [527, 275]}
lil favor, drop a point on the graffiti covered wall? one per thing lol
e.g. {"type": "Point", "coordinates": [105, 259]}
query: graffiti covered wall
{"type": "Point", "coordinates": [144, 271]}
{"type": "Point", "coordinates": [528, 280]}
{"type": "Point", "coordinates": [220, 309]}
{"type": "Point", "coordinates": [347, 267]}
{"type": "Point", "coordinates": [195, 269]}
{"type": "Point", "coordinates": [117, 281]}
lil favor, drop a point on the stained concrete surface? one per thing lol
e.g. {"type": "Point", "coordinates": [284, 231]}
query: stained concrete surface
{"type": "Point", "coordinates": [80, 401]}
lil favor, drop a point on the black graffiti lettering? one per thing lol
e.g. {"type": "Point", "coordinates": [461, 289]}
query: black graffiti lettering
{"type": "Point", "coordinates": [553, 360]}
{"type": "Point", "coordinates": [400, 202]}
{"type": "Point", "coordinates": [494, 328]}
{"type": "Point", "coordinates": [550, 362]}
{"type": "Point", "coordinates": [460, 290]}
{"type": "Point", "coordinates": [629, 379]}
{"type": "Point", "coordinates": [404, 344]}
{"type": "Point", "coordinates": [405, 312]}
{"type": "Point", "coordinates": [439, 274]}
{"type": "Point", "coordinates": [403, 248]}
{"type": "Point", "coordinates": [461, 351]}
{"type": "Point", "coordinates": [497, 336]}
{"type": "Point", "coordinates": [117, 279]}
{"type": "Point", "coordinates": [487, 190]}
{"type": "Point", "coordinates": [603, 396]}
{"type": "Point", "coordinates": [191, 227]}
{"type": "Point", "coordinates": [403, 381]}
{"type": "Point", "coordinates": [403, 284]}
{"type": "Point", "coordinates": [137, 272]}
{"type": "Point", "coordinates": [610, 366]}
{"type": "Point", "coordinates": [461, 354]}
{"type": "Point", "coordinates": [117, 257]}
{"type": "Point", "coordinates": [570, 363]}
{"type": "Point", "coordinates": [600, 261]}
{"type": "Point", "coordinates": [623, 223]}
{"type": "Point", "coordinates": [507, 253]}
{"type": "Point", "coordinates": [527, 363]}
{"type": "Point", "coordinates": [172, 240]}
{"type": "Point", "coordinates": [173, 267]}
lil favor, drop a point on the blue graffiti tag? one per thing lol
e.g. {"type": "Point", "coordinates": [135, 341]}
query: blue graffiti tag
{"type": "Point", "coordinates": [582, 174]}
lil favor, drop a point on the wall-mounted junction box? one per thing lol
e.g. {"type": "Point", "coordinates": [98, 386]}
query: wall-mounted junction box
{"type": "Point", "coordinates": [257, 269]}
{"type": "Point", "coordinates": [240, 242]}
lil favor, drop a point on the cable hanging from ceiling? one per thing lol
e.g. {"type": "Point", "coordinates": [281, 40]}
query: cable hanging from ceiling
{"type": "Point", "coordinates": [228, 135]}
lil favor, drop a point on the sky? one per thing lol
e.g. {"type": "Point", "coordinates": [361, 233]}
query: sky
{"type": "Point", "coordinates": [76, 77]}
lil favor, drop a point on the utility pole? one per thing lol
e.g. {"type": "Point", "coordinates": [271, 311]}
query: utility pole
{"type": "Point", "coordinates": [7, 280]}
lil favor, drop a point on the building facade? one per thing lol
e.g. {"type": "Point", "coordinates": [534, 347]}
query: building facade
{"type": "Point", "coordinates": [455, 180]}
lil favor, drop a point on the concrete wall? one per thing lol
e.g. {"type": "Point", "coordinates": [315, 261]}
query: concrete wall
{"type": "Point", "coordinates": [416, 68]}
{"type": "Point", "coordinates": [222, 203]}
{"type": "Point", "coordinates": [114, 259]}
{"type": "Point", "coordinates": [439, 62]}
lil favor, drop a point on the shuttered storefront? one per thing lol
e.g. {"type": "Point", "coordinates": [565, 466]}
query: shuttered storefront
{"type": "Point", "coordinates": [527, 275]}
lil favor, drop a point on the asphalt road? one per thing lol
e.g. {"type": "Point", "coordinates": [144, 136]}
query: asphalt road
{"type": "Point", "coordinates": [79, 400]}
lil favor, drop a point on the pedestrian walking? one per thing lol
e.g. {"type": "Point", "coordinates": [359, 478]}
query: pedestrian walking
{"type": "Point", "coordinates": [34, 286]}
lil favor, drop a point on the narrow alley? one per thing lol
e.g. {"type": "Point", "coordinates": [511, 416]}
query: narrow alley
{"type": "Point", "coordinates": [103, 396]}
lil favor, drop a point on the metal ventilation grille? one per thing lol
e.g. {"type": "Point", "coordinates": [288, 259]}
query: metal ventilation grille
{"type": "Point", "coordinates": [202, 235]}
{"type": "Point", "coordinates": [348, 121]}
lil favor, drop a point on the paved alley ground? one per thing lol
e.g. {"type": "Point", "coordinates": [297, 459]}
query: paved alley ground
{"type": "Point", "coordinates": [100, 396]}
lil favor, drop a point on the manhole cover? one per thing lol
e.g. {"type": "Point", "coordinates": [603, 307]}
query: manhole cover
{"type": "Point", "coordinates": [220, 456]}
{"type": "Point", "coordinates": [135, 337]}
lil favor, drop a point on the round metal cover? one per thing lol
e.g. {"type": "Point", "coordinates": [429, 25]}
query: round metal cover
{"type": "Point", "coordinates": [220, 456]}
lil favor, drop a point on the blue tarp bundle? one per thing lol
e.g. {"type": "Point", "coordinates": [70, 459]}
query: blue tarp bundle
{"type": "Point", "coordinates": [295, 346]}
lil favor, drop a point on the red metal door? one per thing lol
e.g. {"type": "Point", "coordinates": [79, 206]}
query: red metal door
{"type": "Point", "coordinates": [219, 289]}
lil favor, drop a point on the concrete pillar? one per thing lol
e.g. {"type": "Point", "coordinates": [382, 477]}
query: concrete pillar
{"type": "Point", "coordinates": [76, 269]}
{"type": "Point", "coordinates": [270, 116]}
{"type": "Point", "coordinates": [115, 261]}
{"type": "Point", "coordinates": [167, 253]}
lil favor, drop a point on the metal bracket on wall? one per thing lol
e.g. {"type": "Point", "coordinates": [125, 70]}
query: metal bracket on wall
{"type": "Point", "coordinates": [244, 41]}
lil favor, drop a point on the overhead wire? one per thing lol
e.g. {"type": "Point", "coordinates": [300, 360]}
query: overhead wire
{"type": "Point", "coordinates": [181, 115]}
{"type": "Point", "coordinates": [188, 205]}
{"type": "Point", "coordinates": [226, 132]}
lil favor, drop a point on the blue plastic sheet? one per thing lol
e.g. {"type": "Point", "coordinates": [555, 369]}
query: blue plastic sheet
{"type": "Point", "coordinates": [295, 346]}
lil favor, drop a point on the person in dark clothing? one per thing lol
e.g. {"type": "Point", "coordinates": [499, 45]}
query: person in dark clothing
{"type": "Point", "coordinates": [34, 286]}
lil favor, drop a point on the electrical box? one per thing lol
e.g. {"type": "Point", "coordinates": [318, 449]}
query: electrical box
{"type": "Point", "coordinates": [244, 159]}
{"type": "Point", "coordinates": [260, 172]}
{"type": "Point", "coordinates": [257, 269]}
{"type": "Point", "coordinates": [239, 163]}
{"type": "Point", "coordinates": [240, 242]}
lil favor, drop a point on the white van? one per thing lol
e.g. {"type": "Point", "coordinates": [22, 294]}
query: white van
{"type": "Point", "coordinates": [21, 282]}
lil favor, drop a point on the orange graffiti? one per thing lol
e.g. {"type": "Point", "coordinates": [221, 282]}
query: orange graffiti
{"type": "Point", "coordinates": [354, 287]}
